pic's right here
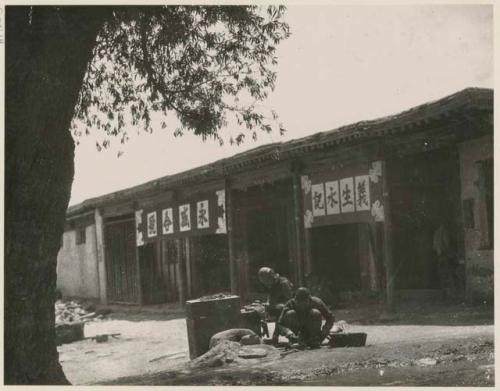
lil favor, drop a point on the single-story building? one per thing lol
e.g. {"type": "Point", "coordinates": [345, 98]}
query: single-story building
{"type": "Point", "coordinates": [397, 205]}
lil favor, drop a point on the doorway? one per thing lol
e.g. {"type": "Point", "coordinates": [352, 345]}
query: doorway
{"type": "Point", "coordinates": [336, 257]}
{"type": "Point", "coordinates": [267, 243]}
{"type": "Point", "coordinates": [121, 261]}
{"type": "Point", "coordinates": [210, 265]}
{"type": "Point", "coordinates": [425, 193]}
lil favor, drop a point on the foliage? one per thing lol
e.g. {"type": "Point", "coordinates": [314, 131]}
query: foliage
{"type": "Point", "coordinates": [210, 65]}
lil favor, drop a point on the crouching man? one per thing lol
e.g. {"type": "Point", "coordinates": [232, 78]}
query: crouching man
{"type": "Point", "coordinates": [302, 317]}
{"type": "Point", "coordinates": [279, 290]}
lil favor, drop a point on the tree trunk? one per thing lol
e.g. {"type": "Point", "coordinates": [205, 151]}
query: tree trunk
{"type": "Point", "coordinates": [47, 52]}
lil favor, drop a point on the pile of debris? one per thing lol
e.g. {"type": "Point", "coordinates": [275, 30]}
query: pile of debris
{"type": "Point", "coordinates": [71, 317]}
{"type": "Point", "coordinates": [73, 311]}
{"type": "Point", "coordinates": [216, 296]}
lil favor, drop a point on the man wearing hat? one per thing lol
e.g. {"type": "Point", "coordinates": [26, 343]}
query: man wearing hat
{"type": "Point", "coordinates": [301, 319]}
{"type": "Point", "coordinates": [279, 290]}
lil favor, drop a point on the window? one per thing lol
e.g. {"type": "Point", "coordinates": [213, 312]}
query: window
{"type": "Point", "coordinates": [80, 236]}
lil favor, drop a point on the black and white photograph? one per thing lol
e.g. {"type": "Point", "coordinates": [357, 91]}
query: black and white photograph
{"type": "Point", "coordinates": [248, 194]}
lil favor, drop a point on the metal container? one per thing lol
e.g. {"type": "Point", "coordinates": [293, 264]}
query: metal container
{"type": "Point", "coordinates": [344, 340]}
{"type": "Point", "coordinates": [206, 317]}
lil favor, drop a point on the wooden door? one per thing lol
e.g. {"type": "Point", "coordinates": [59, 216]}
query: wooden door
{"type": "Point", "coordinates": [170, 268]}
{"type": "Point", "coordinates": [121, 262]}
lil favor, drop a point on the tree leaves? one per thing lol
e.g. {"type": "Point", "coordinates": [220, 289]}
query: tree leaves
{"type": "Point", "coordinates": [207, 64]}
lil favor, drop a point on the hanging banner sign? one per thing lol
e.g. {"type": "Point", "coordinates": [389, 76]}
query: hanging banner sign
{"type": "Point", "coordinates": [221, 212]}
{"type": "Point", "coordinates": [167, 221]}
{"type": "Point", "coordinates": [185, 218]}
{"type": "Point", "coordinates": [201, 216]}
{"type": "Point", "coordinates": [138, 228]}
{"type": "Point", "coordinates": [343, 195]}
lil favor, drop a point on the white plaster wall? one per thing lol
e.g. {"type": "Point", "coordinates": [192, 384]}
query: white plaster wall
{"type": "Point", "coordinates": [77, 274]}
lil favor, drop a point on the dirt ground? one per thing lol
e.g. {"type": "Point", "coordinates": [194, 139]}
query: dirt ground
{"type": "Point", "coordinates": [148, 342]}
{"type": "Point", "coordinates": [447, 345]}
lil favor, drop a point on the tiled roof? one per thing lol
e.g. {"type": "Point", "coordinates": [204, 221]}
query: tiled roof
{"type": "Point", "coordinates": [470, 98]}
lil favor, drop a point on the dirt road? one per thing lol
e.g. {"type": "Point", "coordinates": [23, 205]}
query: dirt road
{"type": "Point", "coordinates": [155, 351]}
{"type": "Point", "coordinates": [144, 346]}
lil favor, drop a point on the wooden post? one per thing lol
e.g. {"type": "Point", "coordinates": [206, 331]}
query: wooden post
{"type": "Point", "coordinates": [298, 227]}
{"type": "Point", "coordinates": [158, 297]}
{"type": "Point", "coordinates": [100, 257]}
{"type": "Point", "coordinates": [231, 240]}
{"type": "Point", "coordinates": [387, 240]}
{"type": "Point", "coordinates": [307, 251]}
{"type": "Point", "coordinates": [140, 298]}
{"type": "Point", "coordinates": [374, 260]}
{"type": "Point", "coordinates": [138, 270]}
{"type": "Point", "coordinates": [180, 273]}
{"type": "Point", "coordinates": [307, 241]}
{"type": "Point", "coordinates": [242, 258]}
{"type": "Point", "coordinates": [188, 267]}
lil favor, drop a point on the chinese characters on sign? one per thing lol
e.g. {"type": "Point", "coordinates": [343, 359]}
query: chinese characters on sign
{"type": "Point", "coordinates": [202, 214]}
{"type": "Point", "coordinates": [346, 195]}
{"type": "Point", "coordinates": [221, 212]}
{"type": "Point", "coordinates": [151, 222]}
{"type": "Point", "coordinates": [332, 198]}
{"type": "Point", "coordinates": [184, 217]}
{"type": "Point", "coordinates": [168, 221]}
{"type": "Point", "coordinates": [362, 184]}
{"type": "Point", "coordinates": [138, 228]}
{"type": "Point", "coordinates": [318, 199]}
{"type": "Point", "coordinates": [343, 194]}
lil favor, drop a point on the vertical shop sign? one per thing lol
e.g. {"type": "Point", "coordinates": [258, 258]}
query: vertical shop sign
{"type": "Point", "coordinates": [184, 217]}
{"type": "Point", "coordinates": [318, 199]}
{"type": "Point", "coordinates": [362, 186]}
{"type": "Point", "coordinates": [347, 195]}
{"type": "Point", "coordinates": [168, 221]}
{"type": "Point", "coordinates": [221, 212]}
{"type": "Point", "coordinates": [332, 198]}
{"type": "Point", "coordinates": [138, 228]}
{"type": "Point", "coordinates": [202, 214]}
{"type": "Point", "coordinates": [152, 225]}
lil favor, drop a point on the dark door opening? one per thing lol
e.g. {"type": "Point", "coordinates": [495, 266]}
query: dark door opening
{"type": "Point", "coordinates": [210, 265]}
{"type": "Point", "coordinates": [267, 244]}
{"type": "Point", "coordinates": [170, 268]}
{"type": "Point", "coordinates": [152, 283]}
{"type": "Point", "coordinates": [336, 258]}
{"type": "Point", "coordinates": [425, 193]}
{"type": "Point", "coordinates": [163, 266]}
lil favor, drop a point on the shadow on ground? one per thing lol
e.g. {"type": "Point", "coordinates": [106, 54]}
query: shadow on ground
{"type": "Point", "coordinates": [416, 313]}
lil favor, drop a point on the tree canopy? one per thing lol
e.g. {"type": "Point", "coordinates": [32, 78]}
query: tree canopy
{"type": "Point", "coordinates": [108, 67]}
{"type": "Point", "coordinates": [210, 65]}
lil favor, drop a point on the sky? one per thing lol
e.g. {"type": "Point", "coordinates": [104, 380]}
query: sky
{"type": "Point", "coordinates": [342, 64]}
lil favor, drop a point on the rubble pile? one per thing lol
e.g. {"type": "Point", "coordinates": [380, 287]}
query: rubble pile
{"type": "Point", "coordinates": [70, 319]}
{"type": "Point", "coordinates": [68, 312]}
{"type": "Point", "coordinates": [216, 296]}
{"type": "Point", "coordinates": [72, 311]}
